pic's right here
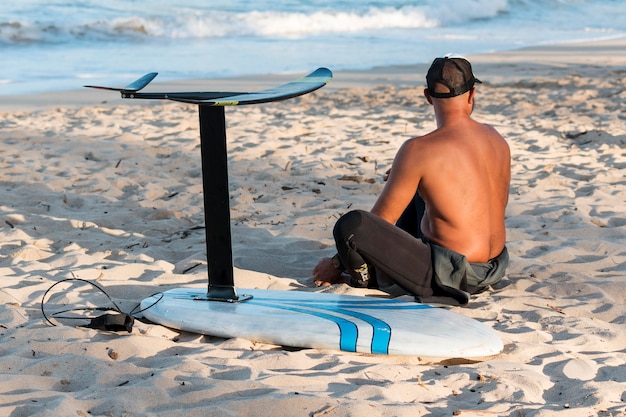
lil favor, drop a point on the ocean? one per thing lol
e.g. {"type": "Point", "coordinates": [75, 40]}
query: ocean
{"type": "Point", "coordinates": [53, 45]}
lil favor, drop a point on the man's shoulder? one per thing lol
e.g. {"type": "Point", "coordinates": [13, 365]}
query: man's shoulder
{"type": "Point", "coordinates": [418, 144]}
{"type": "Point", "coordinates": [424, 150]}
{"type": "Point", "coordinates": [429, 140]}
{"type": "Point", "coordinates": [426, 139]}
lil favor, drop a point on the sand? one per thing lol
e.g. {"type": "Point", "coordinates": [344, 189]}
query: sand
{"type": "Point", "coordinates": [106, 190]}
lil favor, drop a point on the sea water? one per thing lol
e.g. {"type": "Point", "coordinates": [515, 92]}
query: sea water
{"type": "Point", "coordinates": [48, 45]}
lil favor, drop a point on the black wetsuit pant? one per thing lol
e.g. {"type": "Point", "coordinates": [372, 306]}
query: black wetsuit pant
{"type": "Point", "coordinates": [372, 250]}
{"type": "Point", "coordinates": [398, 253]}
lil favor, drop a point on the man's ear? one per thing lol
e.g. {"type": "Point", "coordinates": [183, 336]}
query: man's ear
{"type": "Point", "coordinates": [428, 97]}
{"type": "Point", "coordinates": [470, 98]}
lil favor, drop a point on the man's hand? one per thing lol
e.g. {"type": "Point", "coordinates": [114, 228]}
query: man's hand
{"type": "Point", "coordinates": [325, 274]}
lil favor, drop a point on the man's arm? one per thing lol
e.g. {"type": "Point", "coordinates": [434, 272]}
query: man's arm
{"type": "Point", "coordinates": [402, 183]}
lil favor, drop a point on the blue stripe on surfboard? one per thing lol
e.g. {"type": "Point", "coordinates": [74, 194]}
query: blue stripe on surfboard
{"type": "Point", "coordinates": [381, 331]}
{"type": "Point", "coordinates": [381, 335]}
{"type": "Point", "coordinates": [348, 331]}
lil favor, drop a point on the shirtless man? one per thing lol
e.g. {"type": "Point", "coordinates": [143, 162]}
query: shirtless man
{"type": "Point", "coordinates": [437, 229]}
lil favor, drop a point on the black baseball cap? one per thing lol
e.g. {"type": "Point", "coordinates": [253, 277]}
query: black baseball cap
{"type": "Point", "coordinates": [453, 71]}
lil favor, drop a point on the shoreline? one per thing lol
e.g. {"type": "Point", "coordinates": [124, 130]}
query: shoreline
{"type": "Point", "coordinates": [494, 67]}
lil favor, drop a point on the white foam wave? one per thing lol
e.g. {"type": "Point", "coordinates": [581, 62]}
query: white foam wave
{"type": "Point", "coordinates": [217, 24]}
{"type": "Point", "coordinates": [297, 24]}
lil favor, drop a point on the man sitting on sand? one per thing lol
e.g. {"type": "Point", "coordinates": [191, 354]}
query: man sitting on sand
{"type": "Point", "coordinates": [437, 229]}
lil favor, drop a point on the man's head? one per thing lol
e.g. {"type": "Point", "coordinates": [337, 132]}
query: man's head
{"type": "Point", "coordinates": [450, 76]}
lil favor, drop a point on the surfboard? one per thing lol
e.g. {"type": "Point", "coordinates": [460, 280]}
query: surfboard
{"type": "Point", "coordinates": [326, 321]}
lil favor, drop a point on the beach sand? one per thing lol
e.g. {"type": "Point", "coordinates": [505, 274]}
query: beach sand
{"type": "Point", "coordinates": [106, 190]}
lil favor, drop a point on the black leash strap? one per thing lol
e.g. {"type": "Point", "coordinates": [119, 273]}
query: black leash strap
{"type": "Point", "coordinates": [115, 320]}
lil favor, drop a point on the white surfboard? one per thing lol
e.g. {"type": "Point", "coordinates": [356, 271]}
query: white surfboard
{"type": "Point", "coordinates": [326, 321]}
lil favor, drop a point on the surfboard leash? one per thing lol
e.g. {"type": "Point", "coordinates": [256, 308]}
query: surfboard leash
{"type": "Point", "coordinates": [113, 320]}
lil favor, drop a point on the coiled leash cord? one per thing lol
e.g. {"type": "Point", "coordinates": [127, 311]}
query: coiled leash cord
{"type": "Point", "coordinates": [114, 320]}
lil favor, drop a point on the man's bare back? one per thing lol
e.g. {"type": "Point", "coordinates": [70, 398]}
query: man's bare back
{"type": "Point", "coordinates": [462, 171]}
